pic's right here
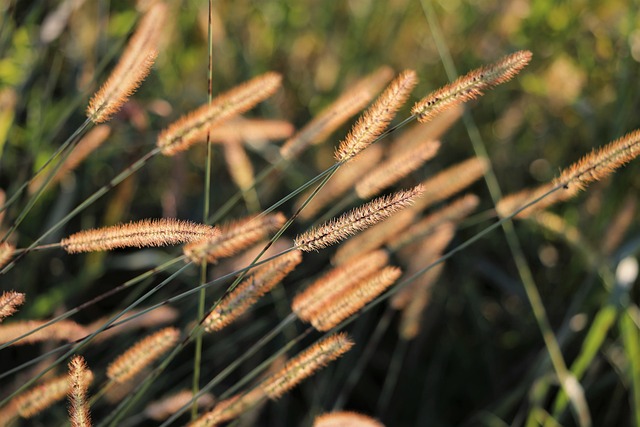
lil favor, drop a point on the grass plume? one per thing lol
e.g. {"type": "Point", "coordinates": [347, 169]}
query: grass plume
{"type": "Point", "coordinates": [142, 354]}
{"type": "Point", "coordinates": [248, 291]}
{"type": "Point", "coordinates": [194, 126]}
{"type": "Point", "coordinates": [132, 68]}
{"type": "Point", "coordinates": [336, 113]}
{"type": "Point", "coordinates": [79, 381]}
{"type": "Point", "coordinates": [470, 86]}
{"type": "Point", "coordinates": [376, 119]}
{"type": "Point", "coordinates": [355, 220]}
{"type": "Point", "coordinates": [233, 238]}
{"type": "Point", "coordinates": [137, 234]}
{"type": "Point", "coordinates": [306, 364]}
{"type": "Point", "coordinates": [343, 305]}
{"type": "Point", "coordinates": [594, 166]}
{"type": "Point", "coordinates": [9, 303]}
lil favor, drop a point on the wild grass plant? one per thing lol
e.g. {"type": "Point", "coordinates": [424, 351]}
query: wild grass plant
{"type": "Point", "coordinates": [259, 214]}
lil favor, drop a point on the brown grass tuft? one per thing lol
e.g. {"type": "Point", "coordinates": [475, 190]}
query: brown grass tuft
{"type": "Point", "coordinates": [470, 86]}
{"type": "Point", "coordinates": [252, 288]}
{"type": "Point", "coordinates": [620, 224]}
{"type": "Point", "coordinates": [329, 119]}
{"type": "Point", "coordinates": [420, 255]}
{"type": "Point", "coordinates": [594, 166]}
{"type": "Point", "coordinates": [356, 220]}
{"type": "Point", "coordinates": [374, 237]}
{"type": "Point", "coordinates": [46, 394]}
{"type": "Point", "coordinates": [454, 212]}
{"type": "Point", "coordinates": [601, 162]}
{"type": "Point", "coordinates": [6, 252]}
{"type": "Point", "coordinates": [137, 234]}
{"type": "Point", "coordinates": [193, 127]}
{"type": "Point", "coordinates": [62, 330]}
{"type": "Point", "coordinates": [230, 408]}
{"type": "Point", "coordinates": [252, 131]}
{"type": "Point", "coordinates": [234, 237]}
{"type": "Point", "coordinates": [133, 67]}
{"type": "Point", "coordinates": [306, 364]}
{"type": "Point", "coordinates": [376, 119]}
{"type": "Point", "coordinates": [411, 318]}
{"type": "Point", "coordinates": [79, 381]}
{"type": "Point", "coordinates": [512, 202]}
{"type": "Point", "coordinates": [142, 354]}
{"type": "Point", "coordinates": [9, 303]}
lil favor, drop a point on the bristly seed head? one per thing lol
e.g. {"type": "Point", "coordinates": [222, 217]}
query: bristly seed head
{"type": "Point", "coordinates": [355, 220]}
{"type": "Point", "coordinates": [470, 86]}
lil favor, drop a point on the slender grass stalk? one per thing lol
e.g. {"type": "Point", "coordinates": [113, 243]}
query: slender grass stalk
{"type": "Point", "coordinates": [69, 144]}
{"type": "Point", "coordinates": [87, 202]}
{"type": "Point", "coordinates": [86, 340]}
{"type": "Point", "coordinates": [631, 343]}
{"type": "Point", "coordinates": [197, 358]}
{"type": "Point", "coordinates": [531, 290]}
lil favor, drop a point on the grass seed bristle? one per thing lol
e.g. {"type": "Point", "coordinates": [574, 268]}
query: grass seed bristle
{"type": "Point", "coordinates": [9, 303]}
{"type": "Point", "coordinates": [79, 381]}
{"type": "Point", "coordinates": [142, 354]}
{"type": "Point", "coordinates": [376, 119]}
{"type": "Point", "coordinates": [138, 234]}
{"type": "Point", "coordinates": [133, 67]}
{"type": "Point", "coordinates": [234, 237]}
{"type": "Point", "coordinates": [250, 289]}
{"type": "Point", "coordinates": [355, 220]}
{"type": "Point", "coordinates": [339, 111]}
{"type": "Point", "coordinates": [341, 306]}
{"type": "Point", "coordinates": [470, 86]}
{"type": "Point", "coordinates": [194, 126]}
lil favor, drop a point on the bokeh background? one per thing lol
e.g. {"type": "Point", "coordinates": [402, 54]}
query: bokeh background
{"type": "Point", "coordinates": [480, 354]}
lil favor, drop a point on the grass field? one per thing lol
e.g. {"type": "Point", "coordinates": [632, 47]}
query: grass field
{"type": "Point", "coordinates": [492, 322]}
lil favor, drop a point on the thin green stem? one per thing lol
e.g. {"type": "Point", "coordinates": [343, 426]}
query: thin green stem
{"type": "Point", "coordinates": [197, 360]}
{"type": "Point", "coordinates": [391, 379]}
{"type": "Point", "coordinates": [531, 290]}
{"type": "Point", "coordinates": [70, 144]}
{"type": "Point", "coordinates": [236, 363]}
{"type": "Point", "coordinates": [355, 372]}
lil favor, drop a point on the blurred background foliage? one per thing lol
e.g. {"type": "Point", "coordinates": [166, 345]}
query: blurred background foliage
{"type": "Point", "coordinates": [479, 356]}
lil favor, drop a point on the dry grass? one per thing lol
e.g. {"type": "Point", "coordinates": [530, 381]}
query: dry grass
{"type": "Point", "coordinates": [252, 304]}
